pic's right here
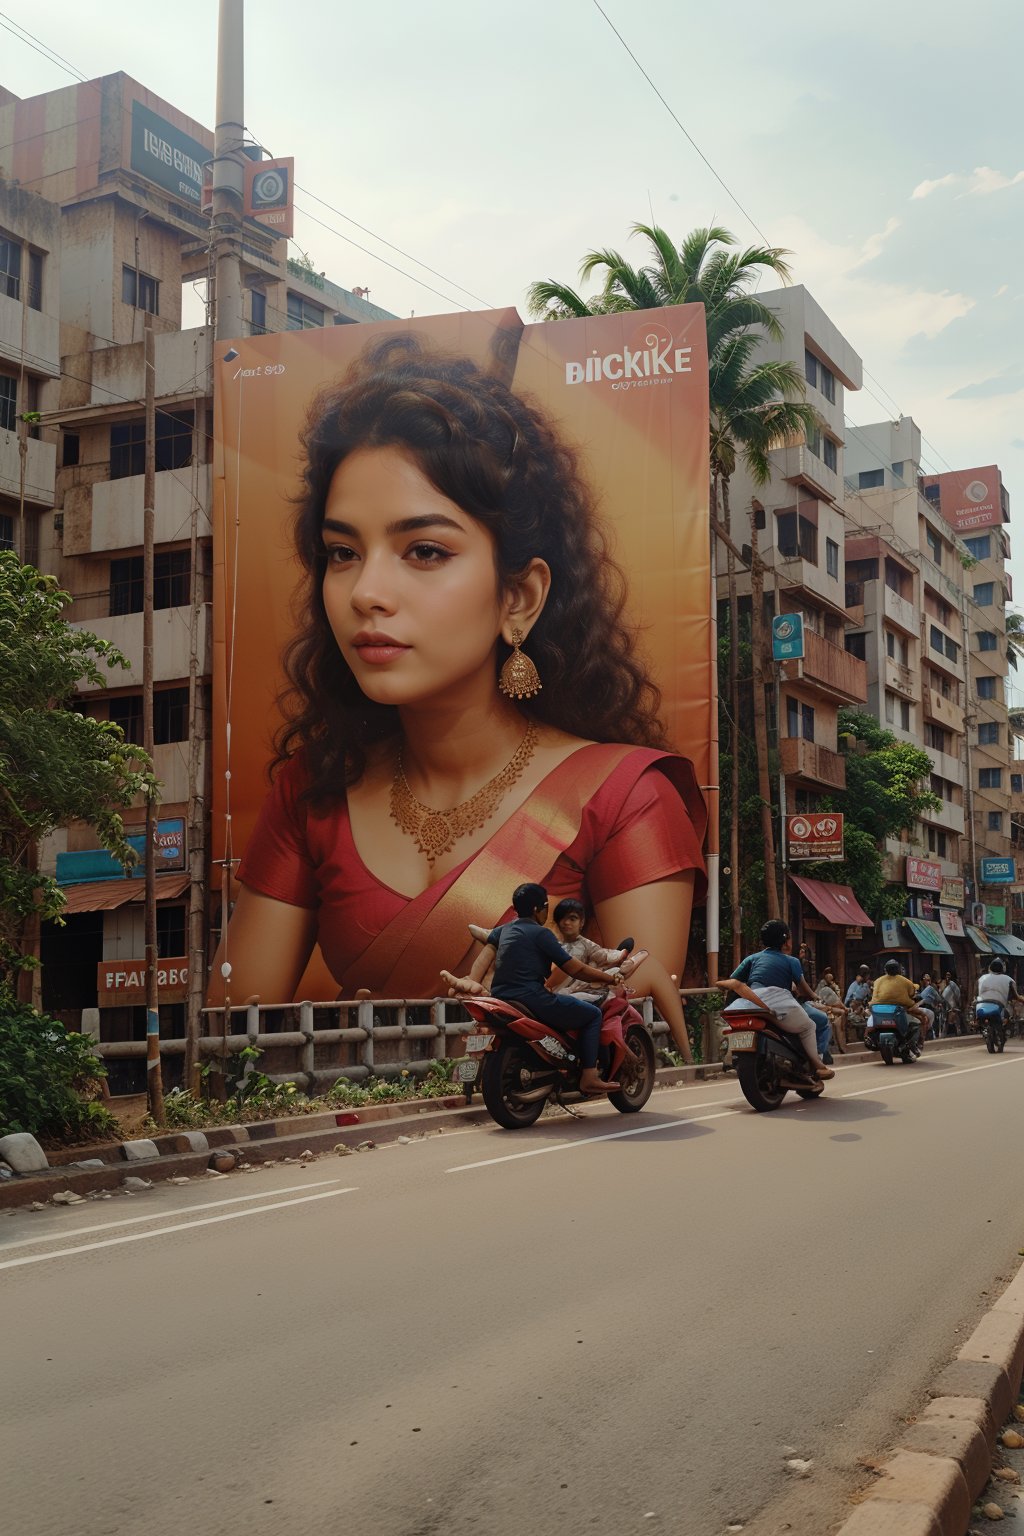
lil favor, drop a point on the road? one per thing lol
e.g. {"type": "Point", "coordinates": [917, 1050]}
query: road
{"type": "Point", "coordinates": [596, 1326]}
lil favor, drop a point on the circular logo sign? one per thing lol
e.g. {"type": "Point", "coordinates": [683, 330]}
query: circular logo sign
{"type": "Point", "coordinates": [785, 629]}
{"type": "Point", "coordinates": [976, 491]}
{"type": "Point", "coordinates": [799, 827]}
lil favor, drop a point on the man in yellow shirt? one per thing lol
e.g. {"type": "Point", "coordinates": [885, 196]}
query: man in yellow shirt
{"type": "Point", "coordinates": [894, 987]}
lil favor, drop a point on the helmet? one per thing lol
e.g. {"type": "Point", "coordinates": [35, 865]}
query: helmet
{"type": "Point", "coordinates": [997, 967]}
{"type": "Point", "coordinates": [892, 968]}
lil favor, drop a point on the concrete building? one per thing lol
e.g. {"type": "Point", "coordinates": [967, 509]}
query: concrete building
{"type": "Point", "coordinates": [101, 224]}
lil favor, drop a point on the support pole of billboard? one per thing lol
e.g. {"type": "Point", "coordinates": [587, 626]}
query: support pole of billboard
{"type": "Point", "coordinates": [229, 170]}
{"type": "Point", "coordinates": [154, 1080]}
{"type": "Point", "coordinates": [783, 811]}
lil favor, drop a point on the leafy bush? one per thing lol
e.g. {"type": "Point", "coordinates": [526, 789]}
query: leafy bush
{"type": "Point", "coordinates": [49, 1078]}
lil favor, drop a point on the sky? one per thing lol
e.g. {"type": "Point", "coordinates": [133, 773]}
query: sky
{"type": "Point", "coordinates": [497, 143]}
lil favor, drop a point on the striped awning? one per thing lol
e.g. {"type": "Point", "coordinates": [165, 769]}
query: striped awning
{"type": "Point", "coordinates": [105, 895]}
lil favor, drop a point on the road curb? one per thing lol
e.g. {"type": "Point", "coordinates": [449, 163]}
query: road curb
{"type": "Point", "coordinates": [945, 1458]}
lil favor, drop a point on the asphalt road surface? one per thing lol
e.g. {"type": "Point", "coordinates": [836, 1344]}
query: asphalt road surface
{"type": "Point", "coordinates": [609, 1325]}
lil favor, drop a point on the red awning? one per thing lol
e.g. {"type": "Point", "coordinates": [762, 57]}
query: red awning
{"type": "Point", "coordinates": [104, 895]}
{"type": "Point", "coordinates": [836, 903]}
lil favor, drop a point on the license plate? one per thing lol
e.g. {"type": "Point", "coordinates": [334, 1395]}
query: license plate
{"type": "Point", "coordinates": [743, 1039]}
{"type": "Point", "coordinates": [466, 1071]}
{"type": "Point", "coordinates": [478, 1043]}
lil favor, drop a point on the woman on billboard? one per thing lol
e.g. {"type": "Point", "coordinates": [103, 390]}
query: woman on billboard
{"type": "Point", "coordinates": [466, 708]}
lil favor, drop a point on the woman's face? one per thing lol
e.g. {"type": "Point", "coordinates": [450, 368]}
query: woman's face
{"type": "Point", "coordinates": [410, 587]}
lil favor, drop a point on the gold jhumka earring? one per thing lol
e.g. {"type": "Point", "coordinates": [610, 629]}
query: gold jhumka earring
{"type": "Point", "coordinates": [519, 677]}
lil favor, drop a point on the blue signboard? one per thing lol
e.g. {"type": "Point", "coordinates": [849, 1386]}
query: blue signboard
{"type": "Point", "coordinates": [97, 863]}
{"type": "Point", "coordinates": [998, 871]}
{"type": "Point", "coordinates": [787, 637]}
{"type": "Point", "coordinates": [891, 932]}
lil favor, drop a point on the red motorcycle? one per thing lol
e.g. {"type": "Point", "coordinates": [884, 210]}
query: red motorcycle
{"type": "Point", "coordinates": [521, 1064]}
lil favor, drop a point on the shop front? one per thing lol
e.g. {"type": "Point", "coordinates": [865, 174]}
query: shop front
{"type": "Point", "coordinates": [831, 922]}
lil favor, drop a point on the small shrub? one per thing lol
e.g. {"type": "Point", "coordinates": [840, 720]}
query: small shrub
{"type": "Point", "coordinates": [49, 1078]}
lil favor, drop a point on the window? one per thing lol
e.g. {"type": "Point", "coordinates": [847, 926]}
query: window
{"type": "Point", "coordinates": [170, 931]}
{"type": "Point", "coordinates": [792, 717]}
{"type": "Point", "coordinates": [140, 290]}
{"type": "Point", "coordinates": [936, 638]}
{"type": "Point", "coordinates": [6, 531]}
{"type": "Point", "coordinates": [980, 548]}
{"type": "Point", "coordinates": [936, 737]}
{"type": "Point", "coordinates": [831, 453]}
{"type": "Point", "coordinates": [856, 645]}
{"type": "Point", "coordinates": [8, 402]}
{"type": "Point", "coordinates": [952, 650]}
{"type": "Point", "coordinates": [302, 314]}
{"type": "Point", "coordinates": [796, 536]}
{"type": "Point", "coordinates": [70, 449]}
{"type": "Point", "coordinates": [171, 585]}
{"type": "Point", "coordinates": [10, 267]}
{"type": "Point", "coordinates": [870, 479]}
{"type": "Point", "coordinates": [810, 368]}
{"type": "Point", "coordinates": [942, 787]}
{"type": "Point", "coordinates": [127, 713]}
{"type": "Point", "coordinates": [807, 722]}
{"type": "Point", "coordinates": [995, 821]}
{"type": "Point", "coordinates": [897, 470]}
{"type": "Point", "coordinates": [832, 558]}
{"type": "Point", "coordinates": [896, 647]}
{"type": "Point", "coordinates": [934, 542]}
{"type": "Point", "coordinates": [890, 709]}
{"type": "Point", "coordinates": [988, 734]}
{"type": "Point", "coordinates": [932, 493]}
{"type": "Point", "coordinates": [813, 441]}
{"type": "Point", "coordinates": [827, 383]}
{"type": "Point", "coordinates": [986, 688]}
{"type": "Point", "coordinates": [259, 313]}
{"type": "Point", "coordinates": [895, 577]}
{"type": "Point", "coordinates": [937, 842]}
{"type": "Point", "coordinates": [170, 716]}
{"type": "Point", "coordinates": [987, 640]}
{"type": "Point", "coordinates": [35, 280]}
{"type": "Point", "coordinates": [1017, 783]}
{"type": "Point", "coordinates": [984, 592]}
{"type": "Point", "coordinates": [172, 449]}
{"type": "Point", "coordinates": [127, 449]}
{"type": "Point", "coordinates": [990, 778]}
{"type": "Point", "coordinates": [904, 715]}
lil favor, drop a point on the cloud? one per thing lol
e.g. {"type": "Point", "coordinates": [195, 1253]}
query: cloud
{"type": "Point", "coordinates": [991, 389]}
{"type": "Point", "coordinates": [1004, 288]}
{"type": "Point", "coordinates": [982, 181]}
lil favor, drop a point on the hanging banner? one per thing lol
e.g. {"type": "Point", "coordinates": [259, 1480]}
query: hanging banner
{"type": "Point", "coordinates": [924, 875]}
{"type": "Point", "coordinates": [952, 923]}
{"type": "Point", "coordinates": [815, 837]}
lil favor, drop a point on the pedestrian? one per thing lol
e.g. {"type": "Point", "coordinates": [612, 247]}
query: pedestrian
{"type": "Point", "coordinates": [807, 964]}
{"type": "Point", "coordinates": [858, 996]}
{"type": "Point", "coordinates": [827, 992]}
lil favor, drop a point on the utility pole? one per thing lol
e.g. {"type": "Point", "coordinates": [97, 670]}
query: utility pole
{"type": "Point", "coordinates": [154, 1079]}
{"type": "Point", "coordinates": [198, 765]}
{"type": "Point", "coordinates": [229, 170]}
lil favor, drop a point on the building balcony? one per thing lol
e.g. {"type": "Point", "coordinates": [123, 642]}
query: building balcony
{"type": "Point", "coordinates": [182, 358]}
{"type": "Point", "coordinates": [814, 764]}
{"type": "Point", "coordinates": [117, 511]}
{"type": "Point", "coordinates": [41, 344]}
{"type": "Point", "coordinates": [899, 611]}
{"type": "Point", "coordinates": [947, 766]}
{"type": "Point", "coordinates": [945, 712]}
{"type": "Point", "coordinates": [830, 668]}
{"type": "Point", "coordinates": [40, 469]}
{"type": "Point", "coordinates": [949, 816]}
{"type": "Point", "coordinates": [902, 680]}
{"type": "Point", "coordinates": [801, 466]}
{"type": "Point", "coordinates": [170, 644]}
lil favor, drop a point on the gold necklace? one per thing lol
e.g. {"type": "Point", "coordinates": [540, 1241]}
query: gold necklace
{"type": "Point", "coordinates": [436, 832]}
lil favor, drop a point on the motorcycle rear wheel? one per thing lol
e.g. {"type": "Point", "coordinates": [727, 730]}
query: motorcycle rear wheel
{"type": "Point", "coordinates": [885, 1051]}
{"type": "Point", "coordinates": [637, 1080]}
{"type": "Point", "coordinates": [502, 1076]}
{"type": "Point", "coordinates": [759, 1081]}
{"type": "Point", "coordinates": [990, 1039]}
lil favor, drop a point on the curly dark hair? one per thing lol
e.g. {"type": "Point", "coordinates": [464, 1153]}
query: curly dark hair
{"type": "Point", "coordinates": [494, 455]}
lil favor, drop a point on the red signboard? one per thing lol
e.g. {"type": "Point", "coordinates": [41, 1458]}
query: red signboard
{"type": "Point", "coordinates": [970, 498]}
{"type": "Point", "coordinates": [923, 875]}
{"type": "Point", "coordinates": [817, 836]}
{"type": "Point", "coordinates": [124, 981]}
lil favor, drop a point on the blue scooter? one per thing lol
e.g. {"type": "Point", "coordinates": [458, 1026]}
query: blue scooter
{"type": "Point", "coordinates": [892, 1032]}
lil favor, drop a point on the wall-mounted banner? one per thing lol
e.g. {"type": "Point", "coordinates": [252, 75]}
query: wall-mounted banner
{"type": "Point", "coordinates": [97, 864]}
{"type": "Point", "coordinates": [787, 637]}
{"type": "Point", "coordinates": [891, 933]}
{"type": "Point", "coordinates": [997, 872]}
{"type": "Point", "coordinates": [970, 498]}
{"type": "Point", "coordinates": [124, 981]}
{"type": "Point", "coordinates": [952, 923]}
{"type": "Point", "coordinates": [167, 156]}
{"type": "Point", "coordinates": [953, 894]}
{"type": "Point", "coordinates": [924, 875]}
{"type": "Point", "coordinates": [815, 837]}
{"type": "Point", "coordinates": [995, 917]}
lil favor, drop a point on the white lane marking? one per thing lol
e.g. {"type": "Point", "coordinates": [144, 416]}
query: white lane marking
{"type": "Point", "coordinates": [645, 1130]}
{"type": "Point", "coordinates": [586, 1141]}
{"type": "Point", "coordinates": [138, 1237]}
{"type": "Point", "coordinates": [912, 1082]}
{"type": "Point", "coordinates": [184, 1210]}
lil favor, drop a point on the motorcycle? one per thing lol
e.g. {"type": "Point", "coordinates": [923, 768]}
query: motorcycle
{"type": "Point", "coordinates": [990, 1021]}
{"type": "Point", "coordinates": [892, 1032]}
{"type": "Point", "coordinates": [522, 1064]}
{"type": "Point", "coordinates": [769, 1060]}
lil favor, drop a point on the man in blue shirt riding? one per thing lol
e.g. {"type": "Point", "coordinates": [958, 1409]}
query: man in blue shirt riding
{"type": "Point", "coordinates": [773, 975]}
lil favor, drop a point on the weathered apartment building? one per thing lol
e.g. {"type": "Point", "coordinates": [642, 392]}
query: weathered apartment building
{"type": "Point", "coordinates": [101, 224]}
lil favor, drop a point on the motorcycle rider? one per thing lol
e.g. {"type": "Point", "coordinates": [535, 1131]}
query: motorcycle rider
{"type": "Point", "coordinates": [930, 999]}
{"type": "Point", "coordinates": [773, 976]}
{"type": "Point", "coordinates": [892, 987]}
{"type": "Point", "coordinates": [522, 953]}
{"type": "Point", "coordinates": [994, 986]}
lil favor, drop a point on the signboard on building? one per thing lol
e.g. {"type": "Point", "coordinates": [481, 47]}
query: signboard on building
{"type": "Point", "coordinates": [891, 932]}
{"type": "Point", "coordinates": [952, 923]}
{"type": "Point", "coordinates": [787, 637]}
{"type": "Point", "coordinates": [995, 917]}
{"type": "Point", "coordinates": [953, 894]}
{"type": "Point", "coordinates": [978, 914]}
{"type": "Point", "coordinates": [97, 864]}
{"type": "Point", "coordinates": [815, 837]}
{"type": "Point", "coordinates": [123, 982]}
{"type": "Point", "coordinates": [269, 185]}
{"type": "Point", "coordinates": [924, 875]}
{"type": "Point", "coordinates": [970, 498]}
{"type": "Point", "coordinates": [167, 156]}
{"type": "Point", "coordinates": [997, 871]}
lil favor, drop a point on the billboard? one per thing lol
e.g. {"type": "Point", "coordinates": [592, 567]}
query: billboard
{"type": "Point", "coordinates": [924, 875]}
{"type": "Point", "coordinates": [124, 981]}
{"type": "Point", "coordinates": [627, 394]}
{"type": "Point", "coordinates": [970, 498]}
{"type": "Point", "coordinates": [953, 892]}
{"type": "Point", "coordinates": [167, 156]}
{"type": "Point", "coordinates": [815, 837]}
{"type": "Point", "coordinates": [269, 188]}
{"type": "Point", "coordinates": [997, 871]}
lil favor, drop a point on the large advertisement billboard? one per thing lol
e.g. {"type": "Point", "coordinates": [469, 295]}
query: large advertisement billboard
{"type": "Point", "coordinates": [628, 393]}
{"type": "Point", "coordinates": [970, 498]}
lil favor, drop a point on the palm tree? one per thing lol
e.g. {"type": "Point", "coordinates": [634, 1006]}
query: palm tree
{"type": "Point", "coordinates": [754, 408]}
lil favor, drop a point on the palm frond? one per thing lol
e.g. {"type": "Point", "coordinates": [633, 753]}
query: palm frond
{"type": "Point", "coordinates": [548, 300]}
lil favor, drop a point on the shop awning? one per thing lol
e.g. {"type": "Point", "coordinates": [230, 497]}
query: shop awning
{"type": "Point", "coordinates": [836, 903]}
{"type": "Point", "coordinates": [930, 936]}
{"type": "Point", "coordinates": [1007, 944]}
{"type": "Point", "coordinates": [978, 938]}
{"type": "Point", "coordinates": [105, 895]}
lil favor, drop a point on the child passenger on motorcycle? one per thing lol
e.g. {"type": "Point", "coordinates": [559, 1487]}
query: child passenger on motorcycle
{"type": "Point", "coordinates": [570, 915]}
{"type": "Point", "coordinates": [772, 976]}
{"type": "Point", "coordinates": [522, 953]}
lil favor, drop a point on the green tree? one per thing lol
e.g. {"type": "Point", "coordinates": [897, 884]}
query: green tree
{"type": "Point", "coordinates": [57, 765]}
{"type": "Point", "coordinates": [755, 407]}
{"type": "Point", "coordinates": [883, 795]}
